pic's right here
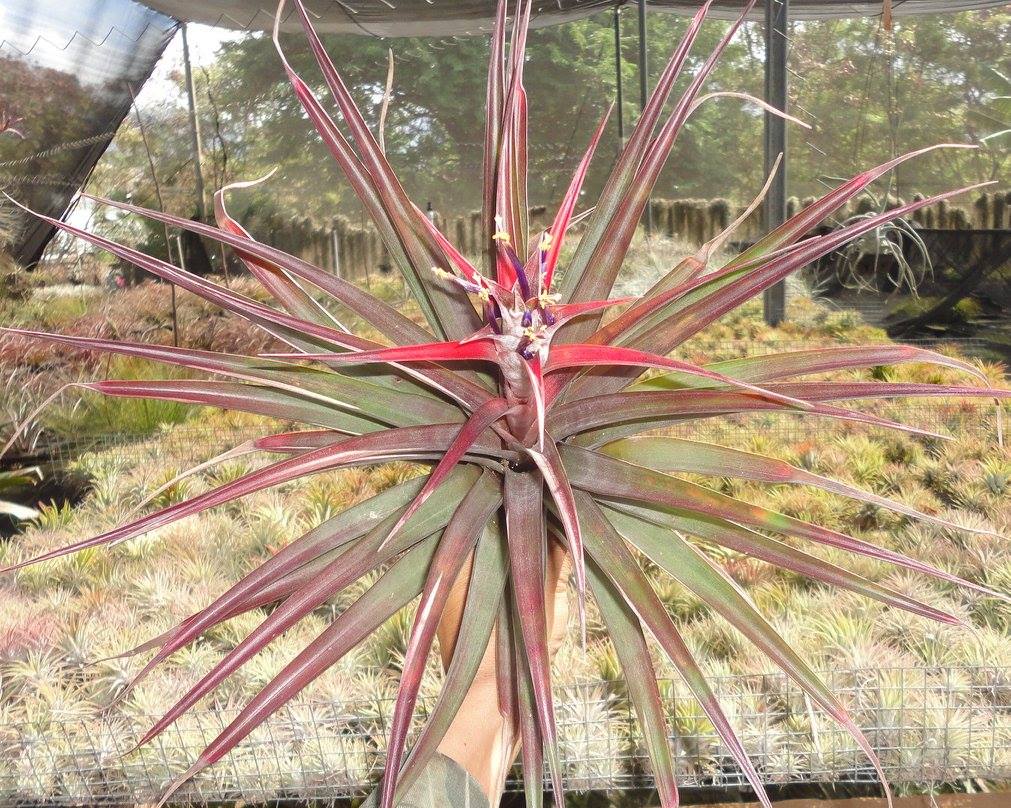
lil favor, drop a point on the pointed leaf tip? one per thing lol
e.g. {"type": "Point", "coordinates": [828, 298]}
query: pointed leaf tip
{"type": "Point", "coordinates": [181, 780]}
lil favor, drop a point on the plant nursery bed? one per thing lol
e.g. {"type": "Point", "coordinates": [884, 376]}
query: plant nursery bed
{"type": "Point", "coordinates": [1001, 800]}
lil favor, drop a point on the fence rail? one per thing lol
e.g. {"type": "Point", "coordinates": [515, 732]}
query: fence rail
{"type": "Point", "coordinates": [357, 250]}
{"type": "Point", "coordinates": [928, 725]}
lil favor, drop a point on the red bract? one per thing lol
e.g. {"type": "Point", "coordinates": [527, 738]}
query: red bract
{"type": "Point", "coordinates": [532, 416]}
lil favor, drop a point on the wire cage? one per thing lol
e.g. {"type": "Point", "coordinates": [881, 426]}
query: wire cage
{"type": "Point", "coordinates": [928, 725]}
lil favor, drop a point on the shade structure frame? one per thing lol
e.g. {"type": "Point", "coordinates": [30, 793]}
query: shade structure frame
{"type": "Point", "coordinates": [393, 18]}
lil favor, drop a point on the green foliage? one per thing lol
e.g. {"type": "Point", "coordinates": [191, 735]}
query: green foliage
{"type": "Point", "coordinates": [850, 78]}
{"type": "Point", "coordinates": [966, 310]}
{"type": "Point", "coordinates": [55, 516]}
{"type": "Point", "coordinates": [99, 415]}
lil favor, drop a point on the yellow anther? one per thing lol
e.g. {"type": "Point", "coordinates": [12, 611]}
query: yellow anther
{"type": "Point", "coordinates": [500, 230]}
{"type": "Point", "coordinates": [546, 241]}
{"type": "Point", "coordinates": [441, 273]}
{"type": "Point", "coordinates": [483, 295]}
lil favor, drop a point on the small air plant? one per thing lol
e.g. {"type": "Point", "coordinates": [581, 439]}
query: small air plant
{"type": "Point", "coordinates": [10, 124]}
{"type": "Point", "coordinates": [878, 259]}
{"type": "Point", "coordinates": [528, 406]}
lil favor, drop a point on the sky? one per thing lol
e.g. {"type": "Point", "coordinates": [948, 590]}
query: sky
{"type": "Point", "coordinates": [204, 41]}
{"type": "Point", "coordinates": [57, 34]}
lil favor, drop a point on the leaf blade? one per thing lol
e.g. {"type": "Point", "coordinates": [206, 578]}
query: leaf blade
{"type": "Point", "coordinates": [461, 535]}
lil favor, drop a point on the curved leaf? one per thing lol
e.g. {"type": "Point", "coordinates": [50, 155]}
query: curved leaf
{"type": "Point", "coordinates": [778, 366]}
{"type": "Point", "coordinates": [370, 449]}
{"type": "Point", "coordinates": [526, 535]}
{"type": "Point", "coordinates": [484, 596]}
{"type": "Point", "coordinates": [750, 542]}
{"type": "Point", "coordinates": [397, 587]}
{"type": "Point", "coordinates": [717, 590]}
{"type": "Point", "coordinates": [611, 554]}
{"type": "Point", "coordinates": [614, 479]}
{"type": "Point", "coordinates": [629, 643]}
{"type": "Point", "coordinates": [677, 455]}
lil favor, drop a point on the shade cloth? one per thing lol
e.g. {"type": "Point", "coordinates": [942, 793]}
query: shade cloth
{"type": "Point", "coordinates": [447, 17]}
{"type": "Point", "coordinates": [66, 70]}
{"type": "Point", "coordinates": [67, 66]}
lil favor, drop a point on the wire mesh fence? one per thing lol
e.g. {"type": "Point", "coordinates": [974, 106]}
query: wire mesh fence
{"type": "Point", "coordinates": [185, 444]}
{"type": "Point", "coordinates": [189, 445]}
{"type": "Point", "coordinates": [928, 725]}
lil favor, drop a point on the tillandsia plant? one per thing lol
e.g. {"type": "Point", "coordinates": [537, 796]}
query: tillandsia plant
{"type": "Point", "coordinates": [530, 407]}
{"type": "Point", "coordinates": [9, 124]}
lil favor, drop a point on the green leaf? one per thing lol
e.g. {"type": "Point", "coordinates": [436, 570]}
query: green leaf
{"type": "Point", "coordinates": [250, 398]}
{"type": "Point", "coordinates": [526, 532]}
{"type": "Point", "coordinates": [394, 590]}
{"type": "Point", "coordinates": [484, 595]}
{"type": "Point", "coordinates": [716, 589]}
{"type": "Point", "coordinates": [742, 540]}
{"type": "Point", "coordinates": [668, 454]}
{"type": "Point", "coordinates": [614, 479]}
{"type": "Point", "coordinates": [626, 636]}
{"type": "Point", "coordinates": [778, 366]}
{"type": "Point", "coordinates": [612, 555]}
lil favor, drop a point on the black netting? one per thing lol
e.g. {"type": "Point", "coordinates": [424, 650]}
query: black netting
{"type": "Point", "coordinates": [66, 70]}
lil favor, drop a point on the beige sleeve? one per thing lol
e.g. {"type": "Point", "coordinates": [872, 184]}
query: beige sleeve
{"type": "Point", "coordinates": [442, 784]}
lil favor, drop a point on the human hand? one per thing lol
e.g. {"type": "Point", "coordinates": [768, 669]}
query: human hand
{"type": "Point", "coordinates": [480, 739]}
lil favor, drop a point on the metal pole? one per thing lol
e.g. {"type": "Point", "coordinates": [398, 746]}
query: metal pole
{"type": "Point", "coordinates": [161, 204]}
{"type": "Point", "coordinates": [335, 242]}
{"type": "Point", "coordinates": [617, 76]}
{"type": "Point", "coordinates": [643, 67]}
{"type": "Point", "coordinates": [774, 208]}
{"type": "Point", "coordinates": [644, 94]}
{"type": "Point", "coordinates": [191, 98]}
{"type": "Point", "coordinates": [182, 266]}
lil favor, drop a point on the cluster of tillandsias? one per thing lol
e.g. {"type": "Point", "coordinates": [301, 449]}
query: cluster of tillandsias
{"type": "Point", "coordinates": [529, 406]}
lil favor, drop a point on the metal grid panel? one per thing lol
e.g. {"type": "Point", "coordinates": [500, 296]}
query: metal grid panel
{"type": "Point", "coordinates": [929, 725]}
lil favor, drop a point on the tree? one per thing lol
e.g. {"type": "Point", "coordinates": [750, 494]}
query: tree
{"type": "Point", "coordinates": [868, 93]}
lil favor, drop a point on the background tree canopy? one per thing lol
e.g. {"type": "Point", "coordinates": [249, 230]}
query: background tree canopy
{"type": "Point", "coordinates": [867, 93]}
